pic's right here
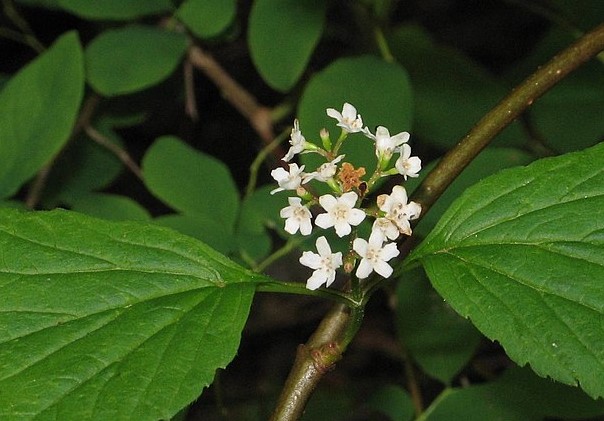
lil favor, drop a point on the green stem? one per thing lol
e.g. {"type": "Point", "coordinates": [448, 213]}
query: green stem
{"type": "Point", "coordinates": [27, 36]}
{"type": "Point", "coordinates": [300, 289]}
{"type": "Point", "coordinates": [255, 167]}
{"type": "Point", "coordinates": [383, 45]}
{"type": "Point", "coordinates": [291, 244]}
{"type": "Point", "coordinates": [510, 108]}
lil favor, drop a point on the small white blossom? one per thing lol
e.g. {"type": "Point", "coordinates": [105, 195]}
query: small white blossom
{"type": "Point", "coordinates": [325, 171]}
{"type": "Point", "coordinates": [374, 255]}
{"type": "Point", "coordinates": [398, 210]}
{"type": "Point", "coordinates": [348, 119]}
{"type": "Point", "coordinates": [324, 264]}
{"type": "Point", "coordinates": [407, 165]}
{"type": "Point", "coordinates": [297, 141]}
{"type": "Point", "coordinates": [288, 180]}
{"type": "Point", "coordinates": [298, 217]}
{"type": "Point", "coordinates": [386, 144]}
{"type": "Point", "coordinates": [341, 213]}
{"type": "Point", "coordinates": [387, 227]}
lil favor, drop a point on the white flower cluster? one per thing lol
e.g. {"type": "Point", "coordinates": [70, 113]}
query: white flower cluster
{"type": "Point", "coordinates": [342, 209]}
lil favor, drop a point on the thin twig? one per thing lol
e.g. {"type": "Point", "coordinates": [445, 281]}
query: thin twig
{"type": "Point", "coordinates": [121, 154]}
{"type": "Point", "coordinates": [305, 375]}
{"type": "Point", "coordinates": [259, 116]}
{"type": "Point", "coordinates": [190, 100]}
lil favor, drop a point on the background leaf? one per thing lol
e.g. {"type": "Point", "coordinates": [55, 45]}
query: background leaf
{"type": "Point", "coordinates": [522, 254]}
{"type": "Point", "coordinates": [581, 93]}
{"type": "Point", "coordinates": [115, 9]}
{"type": "Point", "coordinates": [110, 206]}
{"type": "Point", "coordinates": [207, 18]}
{"type": "Point", "coordinates": [38, 108]}
{"type": "Point", "coordinates": [191, 181]}
{"type": "Point", "coordinates": [217, 236]}
{"type": "Point", "coordinates": [125, 60]}
{"type": "Point", "coordinates": [392, 401]}
{"type": "Point", "coordinates": [440, 341]}
{"type": "Point", "coordinates": [282, 35]}
{"type": "Point", "coordinates": [518, 395]}
{"type": "Point", "coordinates": [151, 315]}
{"type": "Point", "coordinates": [451, 91]}
{"type": "Point", "coordinates": [379, 90]}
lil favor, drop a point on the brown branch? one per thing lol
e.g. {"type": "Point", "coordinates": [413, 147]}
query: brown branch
{"type": "Point", "coordinates": [258, 115]}
{"type": "Point", "coordinates": [190, 100]}
{"type": "Point", "coordinates": [504, 113]}
{"type": "Point", "coordinates": [312, 361]}
{"type": "Point", "coordinates": [122, 155]}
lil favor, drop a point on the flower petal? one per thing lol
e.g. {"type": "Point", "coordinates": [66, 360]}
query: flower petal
{"type": "Point", "coordinates": [323, 246]}
{"type": "Point", "coordinates": [364, 269]}
{"type": "Point", "coordinates": [310, 259]}
{"type": "Point", "coordinates": [383, 268]}
{"type": "Point", "coordinates": [324, 221]}
{"type": "Point", "coordinates": [327, 201]}
{"type": "Point", "coordinates": [317, 279]}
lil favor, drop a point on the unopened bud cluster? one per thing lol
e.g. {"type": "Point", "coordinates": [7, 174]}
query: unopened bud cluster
{"type": "Point", "coordinates": [345, 207]}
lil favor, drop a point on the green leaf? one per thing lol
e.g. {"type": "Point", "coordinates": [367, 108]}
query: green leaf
{"type": "Point", "coordinates": [282, 36]}
{"type": "Point", "coordinates": [517, 395]}
{"type": "Point", "coordinates": [522, 254]}
{"type": "Point", "coordinates": [440, 341]}
{"type": "Point", "coordinates": [379, 90]}
{"type": "Point", "coordinates": [392, 401]}
{"type": "Point", "coordinates": [125, 60]}
{"type": "Point", "coordinates": [111, 207]}
{"type": "Point", "coordinates": [217, 236]}
{"type": "Point", "coordinates": [490, 161]}
{"type": "Point", "coordinates": [191, 181]}
{"type": "Point", "coordinates": [207, 18]}
{"type": "Point", "coordinates": [38, 108]}
{"type": "Point", "coordinates": [115, 9]}
{"type": "Point", "coordinates": [106, 320]}
{"type": "Point", "coordinates": [451, 92]}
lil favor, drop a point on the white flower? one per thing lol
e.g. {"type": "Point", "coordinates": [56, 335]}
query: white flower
{"type": "Point", "coordinates": [325, 264]}
{"type": "Point", "coordinates": [407, 165]}
{"type": "Point", "coordinates": [374, 256]}
{"type": "Point", "coordinates": [386, 144]}
{"type": "Point", "coordinates": [325, 171]}
{"type": "Point", "coordinates": [398, 210]}
{"type": "Point", "coordinates": [298, 217]}
{"type": "Point", "coordinates": [288, 180]}
{"type": "Point", "coordinates": [387, 227]}
{"type": "Point", "coordinates": [297, 141]}
{"type": "Point", "coordinates": [348, 118]}
{"type": "Point", "coordinates": [341, 213]}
